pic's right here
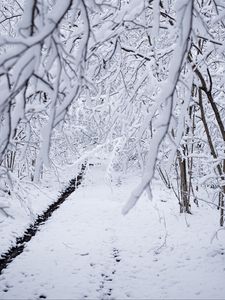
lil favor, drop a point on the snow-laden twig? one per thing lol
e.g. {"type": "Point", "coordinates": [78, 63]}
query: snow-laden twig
{"type": "Point", "coordinates": [164, 101]}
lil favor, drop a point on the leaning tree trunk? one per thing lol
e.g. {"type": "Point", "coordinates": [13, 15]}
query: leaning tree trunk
{"type": "Point", "coordinates": [219, 168]}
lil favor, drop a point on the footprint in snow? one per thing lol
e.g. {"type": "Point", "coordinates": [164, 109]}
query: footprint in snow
{"type": "Point", "coordinates": [116, 255]}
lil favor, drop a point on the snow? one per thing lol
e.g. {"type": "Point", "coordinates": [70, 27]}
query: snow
{"type": "Point", "coordinates": [156, 15]}
{"type": "Point", "coordinates": [88, 249]}
{"type": "Point", "coordinates": [166, 97]}
{"type": "Point", "coordinates": [34, 199]}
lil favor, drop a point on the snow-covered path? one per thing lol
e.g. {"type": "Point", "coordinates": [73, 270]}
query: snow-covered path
{"type": "Point", "coordinates": [89, 250]}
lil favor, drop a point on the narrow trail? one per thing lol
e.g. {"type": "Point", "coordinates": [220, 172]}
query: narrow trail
{"type": "Point", "coordinates": [77, 243]}
{"type": "Point", "coordinates": [88, 250]}
{"type": "Point", "coordinates": [21, 242]}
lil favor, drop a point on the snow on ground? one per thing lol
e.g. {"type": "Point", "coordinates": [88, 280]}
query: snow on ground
{"type": "Point", "coordinates": [28, 201]}
{"type": "Point", "coordinates": [89, 250]}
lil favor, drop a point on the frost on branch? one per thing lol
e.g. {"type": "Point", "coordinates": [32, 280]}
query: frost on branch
{"type": "Point", "coordinates": [164, 101]}
{"type": "Point", "coordinates": [131, 77]}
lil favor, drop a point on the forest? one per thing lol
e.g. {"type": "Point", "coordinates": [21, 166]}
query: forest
{"type": "Point", "coordinates": [135, 87]}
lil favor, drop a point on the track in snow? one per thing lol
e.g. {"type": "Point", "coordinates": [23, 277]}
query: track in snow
{"type": "Point", "coordinates": [108, 278]}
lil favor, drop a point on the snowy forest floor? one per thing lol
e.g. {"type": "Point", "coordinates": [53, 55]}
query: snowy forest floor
{"type": "Point", "coordinates": [89, 250]}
